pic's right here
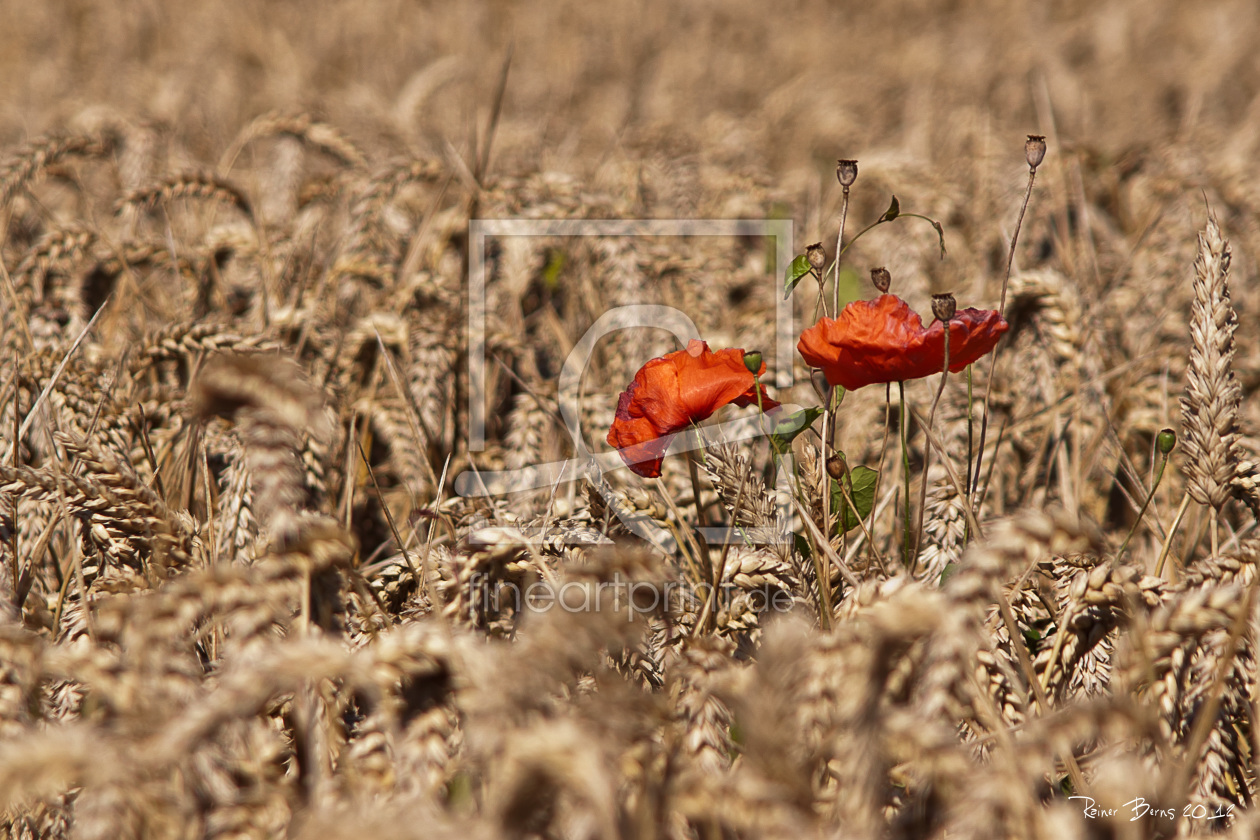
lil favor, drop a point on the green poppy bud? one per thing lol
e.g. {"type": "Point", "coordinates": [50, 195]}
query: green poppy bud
{"type": "Point", "coordinates": [752, 361]}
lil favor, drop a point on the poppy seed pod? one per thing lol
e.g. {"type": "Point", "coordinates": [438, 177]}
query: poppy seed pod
{"type": "Point", "coordinates": [846, 172]}
{"type": "Point", "coordinates": [1165, 441]}
{"type": "Point", "coordinates": [881, 278]}
{"type": "Point", "coordinates": [1035, 150]}
{"type": "Point", "coordinates": [816, 255]}
{"type": "Point", "coordinates": [944, 306]}
{"type": "Point", "coordinates": [836, 467]}
{"type": "Point", "coordinates": [752, 361]}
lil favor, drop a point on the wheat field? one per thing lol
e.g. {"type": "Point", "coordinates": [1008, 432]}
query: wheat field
{"type": "Point", "coordinates": [256, 557]}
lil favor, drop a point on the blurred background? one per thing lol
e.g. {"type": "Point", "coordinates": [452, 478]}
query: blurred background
{"type": "Point", "coordinates": [781, 90]}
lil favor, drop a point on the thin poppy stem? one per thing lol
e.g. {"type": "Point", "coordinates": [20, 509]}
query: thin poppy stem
{"type": "Point", "coordinates": [695, 484]}
{"type": "Point", "coordinates": [835, 424]}
{"type": "Point", "coordinates": [708, 612]}
{"type": "Point", "coordinates": [761, 411]}
{"type": "Point", "coordinates": [927, 457]}
{"type": "Point", "coordinates": [1159, 474]}
{"type": "Point", "coordinates": [844, 215]}
{"type": "Point", "coordinates": [824, 490]}
{"type": "Point", "coordinates": [970, 444]}
{"type": "Point", "coordinates": [1006, 280]}
{"type": "Point", "coordinates": [879, 475]}
{"type": "Point", "coordinates": [818, 541]}
{"type": "Point", "coordinates": [905, 477]}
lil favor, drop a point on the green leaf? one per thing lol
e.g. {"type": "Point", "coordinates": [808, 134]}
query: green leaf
{"type": "Point", "coordinates": [798, 269]}
{"type": "Point", "coordinates": [862, 490]}
{"type": "Point", "coordinates": [786, 430]}
{"type": "Point", "coordinates": [893, 211]}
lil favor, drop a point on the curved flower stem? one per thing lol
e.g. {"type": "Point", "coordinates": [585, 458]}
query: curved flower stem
{"type": "Point", "coordinates": [883, 220]}
{"type": "Point", "coordinates": [1159, 474]}
{"type": "Point", "coordinates": [927, 457]}
{"type": "Point", "coordinates": [1006, 281]}
{"type": "Point", "coordinates": [844, 215]}
{"type": "Point", "coordinates": [905, 477]}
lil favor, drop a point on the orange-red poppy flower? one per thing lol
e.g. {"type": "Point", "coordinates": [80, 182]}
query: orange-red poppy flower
{"type": "Point", "coordinates": [672, 392]}
{"type": "Point", "coordinates": [884, 340]}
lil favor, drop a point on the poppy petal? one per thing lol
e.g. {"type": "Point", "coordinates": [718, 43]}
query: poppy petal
{"type": "Point", "coordinates": [884, 340]}
{"type": "Point", "coordinates": [674, 391]}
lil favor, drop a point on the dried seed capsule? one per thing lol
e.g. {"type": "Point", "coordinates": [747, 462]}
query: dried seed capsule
{"type": "Point", "coordinates": [816, 255]}
{"type": "Point", "coordinates": [1035, 150]}
{"type": "Point", "coordinates": [846, 172]}
{"type": "Point", "coordinates": [836, 466]}
{"type": "Point", "coordinates": [881, 278]}
{"type": "Point", "coordinates": [944, 306]}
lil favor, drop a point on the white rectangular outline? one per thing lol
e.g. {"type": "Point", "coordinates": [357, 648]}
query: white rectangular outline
{"type": "Point", "coordinates": [480, 229]}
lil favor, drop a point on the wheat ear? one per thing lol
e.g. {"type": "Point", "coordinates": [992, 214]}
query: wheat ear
{"type": "Point", "coordinates": [1209, 408]}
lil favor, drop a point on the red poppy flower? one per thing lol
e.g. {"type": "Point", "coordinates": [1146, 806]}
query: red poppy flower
{"type": "Point", "coordinates": [883, 340]}
{"type": "Point", "coordinates": [670, 393]}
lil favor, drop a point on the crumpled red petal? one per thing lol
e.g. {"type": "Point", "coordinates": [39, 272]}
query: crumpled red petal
{"type": "Point", "coordinates": [670, 393]}
{"type": "Point", "coordinates": [884, 340]}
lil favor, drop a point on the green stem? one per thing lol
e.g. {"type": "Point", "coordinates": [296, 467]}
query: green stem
{"type": "Point", "coordinates": [1159, 474]}
{"type": "Point", "coordinates": [935, 224]}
